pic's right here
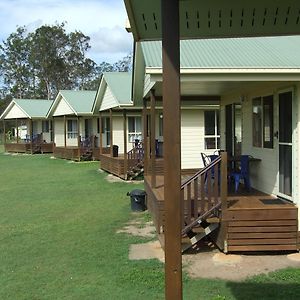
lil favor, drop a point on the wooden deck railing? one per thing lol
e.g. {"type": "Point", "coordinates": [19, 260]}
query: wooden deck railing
{"type": "Point", "coordinates": [134, 158]}
{"type": "Point", "coordinates": [202, 193]}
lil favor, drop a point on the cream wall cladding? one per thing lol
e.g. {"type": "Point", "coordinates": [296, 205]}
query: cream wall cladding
{"type": "Point", "coordinates": [192, 138]}
{"type": "Point", "coordinates": [16, 112]}
{"type": "Point", "coordinates": [264, 174]}
{"type": "Point", "coordinates": [109, 99]}
{"type": "Point", "coordinates": [63, 108]}
{"type": "Point", "coordinates": [118, 133]}
{"type": "Point", "coordinates": [59, 132]}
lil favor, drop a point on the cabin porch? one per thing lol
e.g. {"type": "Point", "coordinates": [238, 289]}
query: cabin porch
{"type": "Point", "coordinates": [28, 147]}
{"type": "Point", "coordinates": [243, 221]}
{"type": "Point", "coordinates": [78, 153]}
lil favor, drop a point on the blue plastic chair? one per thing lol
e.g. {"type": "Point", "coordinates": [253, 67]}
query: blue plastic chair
{"type": "Point", "coordinates": [243, 173]}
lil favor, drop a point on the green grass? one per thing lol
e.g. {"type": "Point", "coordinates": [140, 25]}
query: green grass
{"type": "Point", "coordinates": [58, 240]}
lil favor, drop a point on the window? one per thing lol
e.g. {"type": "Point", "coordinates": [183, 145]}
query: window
{"type": "Point", "coordinates": [105, 128]}
{"type": "Point", "coordinates": [72, 129]}
{"type": "Point", "coordinates": [45, 126]}
{"type": "Point", "coordinates": [211, 129]}
{"type": "Point", "coordinates": [134, 129]}
{"type": "Point", "coordinates": [161, 125]}
{"type": "Point", "coordinates": [262, 122]}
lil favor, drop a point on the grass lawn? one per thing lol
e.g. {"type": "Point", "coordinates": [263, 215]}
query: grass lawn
{"type": "Point", "coordinates": [58, 223]}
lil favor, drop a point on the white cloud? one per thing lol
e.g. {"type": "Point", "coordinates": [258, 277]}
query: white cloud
{"type": "Point", "coordinates": [102, 20]}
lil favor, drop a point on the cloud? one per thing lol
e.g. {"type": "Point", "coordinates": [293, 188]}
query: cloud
{"type": "Point", "coordinates": [102, 20]}
{"type": "Point", "coordinates": [111, 40]}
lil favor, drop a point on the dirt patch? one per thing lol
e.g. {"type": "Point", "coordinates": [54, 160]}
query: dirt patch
{"type": "Point", "coordinates": [234, 267]}
{"type": "Point", "coordinates": [138, 227]}
{"type": "Point", "coordinates": [147, 230]}
{"type": "Point", "coordinates": [211, 263]}
{"type": "Point", "coordinates": [205, 260]}
{"type": "Point", "coordinates": [150, 250]}
{"type": "Point", "coordinates": [112, 178]}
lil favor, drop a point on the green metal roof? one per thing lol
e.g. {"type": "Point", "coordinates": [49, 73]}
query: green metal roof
{"type": "Point", "coordinates": [34, 108]}
{"type": "Point", "coordinates": [260, 52]}
{"type": "Point", "coordinates": [217, 18]}
{"type": "Point", "coordinates": [80, 101]}
{"type": "Point", "coordinates": [120, 85]}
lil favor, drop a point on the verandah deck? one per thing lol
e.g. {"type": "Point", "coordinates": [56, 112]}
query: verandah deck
{"type": "Point", "coordinates": [26, 147]}
{"type": "Point", "coordinates": [75, 153]}
{"type": "Point", "coordinates": [253, 222]}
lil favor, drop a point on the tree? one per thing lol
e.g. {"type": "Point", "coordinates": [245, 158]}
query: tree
{"type": "Point", "coordinates": [15, 68]}
{"type": "Point", "coordinates": [123, 65]}
{"type": "Point", "coordinates": [40, 63]}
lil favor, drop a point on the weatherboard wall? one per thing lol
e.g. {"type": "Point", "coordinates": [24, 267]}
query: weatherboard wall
{"type": "Point", "coordinates": [264, 174]}
{"type": "Point", "coordinates": [15, 113]}
{"type": "Point", "coordinates": [62, 108]}
{"type": "Point", "coordinates": [109, 99]}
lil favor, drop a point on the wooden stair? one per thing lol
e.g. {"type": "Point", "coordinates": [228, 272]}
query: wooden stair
{"type": "Point", "coordinates": [86, 154]}
{"type": "Point", "coordinates": [206, 223]}
{"type": "Point", "coordinates": [135, 171]}
{"type": "Point", "coordinates": [202, 204]}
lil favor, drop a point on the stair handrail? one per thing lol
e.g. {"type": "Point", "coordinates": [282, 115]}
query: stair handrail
{"type": "Point", "coordinates": [137, 152]}
{"type": "Point", "coordinates": [206, 200]}
{"type": "Point", "coordinates": [201, 172]}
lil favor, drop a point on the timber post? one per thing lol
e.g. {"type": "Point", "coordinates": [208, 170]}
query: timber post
{"type": "Point", "coordinates": [145, 136]}
{"type": "Point", "coordinates": [152, 139]}
{"type": "Point", "coordinates": [172, 148]}
{"type": "Point", "coordinates": [224, 188]}
{"type": "Point", "coordinates": [17, 128]}
{"type": "Point", "coordinates": [4, 134]}
{"type": "Point", "coordinates": [78, 139]}
{"type": "Point", "coordinates": [65, 132]}
{"type": "Point", "coordinates": [223, 195]}
{"type": "Point", "coordinates": [53, 134]}
{"type": "Point", "coordinates": [100, 133]}
{"type": "Point", "coordinates": [31, 136]}
{"type": "Point", "coordinates": [125, 143]}
{"type": "Point", "coordinates": [111, 132]}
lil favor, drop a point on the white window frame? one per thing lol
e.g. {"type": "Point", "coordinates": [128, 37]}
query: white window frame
{"type": "Point", "coordinates": [72, 134]}
{"type": "Point", "coordinates": [134, 135]}
{"type": "Point", "coordinates": [216, 136]}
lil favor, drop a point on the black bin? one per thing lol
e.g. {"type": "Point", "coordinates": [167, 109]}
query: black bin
{"type": "Point", "coordinates": [115, 151]}
{"type": "Point", "coordinates": [138, 200]}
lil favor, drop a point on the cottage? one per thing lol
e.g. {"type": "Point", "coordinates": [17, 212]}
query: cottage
{"type": "Point", "coordinates": [120, 126]}
{"type": "Point", "coordinates": [26, 127]}
{"type": "Point", "coordinates": [274, 222]}
{"type": "Point", "coordinates": [76, 130]}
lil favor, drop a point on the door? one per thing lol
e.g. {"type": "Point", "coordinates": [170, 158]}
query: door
{"type": "Point", "coordinates": [233, 114]}
{"type": "Point", "coordinates": [285, 144]}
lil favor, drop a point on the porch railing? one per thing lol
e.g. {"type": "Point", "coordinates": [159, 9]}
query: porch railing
{"type": "Point", "coordinates": [202, 193]}
{"type": "Point", "coordinates": [134, 159]}
{"type": "Point", "coordinates": [87, 142]}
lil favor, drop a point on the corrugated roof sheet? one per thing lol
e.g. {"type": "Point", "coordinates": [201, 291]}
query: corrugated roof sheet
{"type": "Point", "coordinates": [81, 101]}
{"type": "Point", "coordinates": [35, 108]}
{"type": "Point", "coordinates": [120, 86]}
{"type": "Point", "coordinates": [262, 52]}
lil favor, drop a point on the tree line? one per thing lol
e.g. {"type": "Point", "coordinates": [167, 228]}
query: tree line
{"type": "Point", "coordinates": [38, 64]}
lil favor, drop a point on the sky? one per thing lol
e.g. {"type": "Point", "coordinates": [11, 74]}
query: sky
{"type": "Point", "coordinates": [102, 20]}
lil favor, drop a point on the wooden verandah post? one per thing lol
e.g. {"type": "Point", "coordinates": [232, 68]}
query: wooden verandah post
{"type": "Point", "coordinates": [65, 132]}
{"type": "Point", "coordinates": [4, 134]}
{"type": "Point", "coordinates": [31, 135]}
{"type": "Point", "coordinates": [53, 134]}
{"type": "Point", "coordinates": [125, 143]}
{"type": "Point", "coordinates": [172, 148]}
{"type": "Point", "coordinates": [78, 138]}
{"type": "Point", "coordinates": [145, 136]}
{"type": "Point", "coordinates": [152, 142]}
{"type": "Point", "coordinates": [111, 132]}
{"type": "Point", "coordinates": [100, 133]}
{"type": "Point", "coordinates": [17, 128]}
